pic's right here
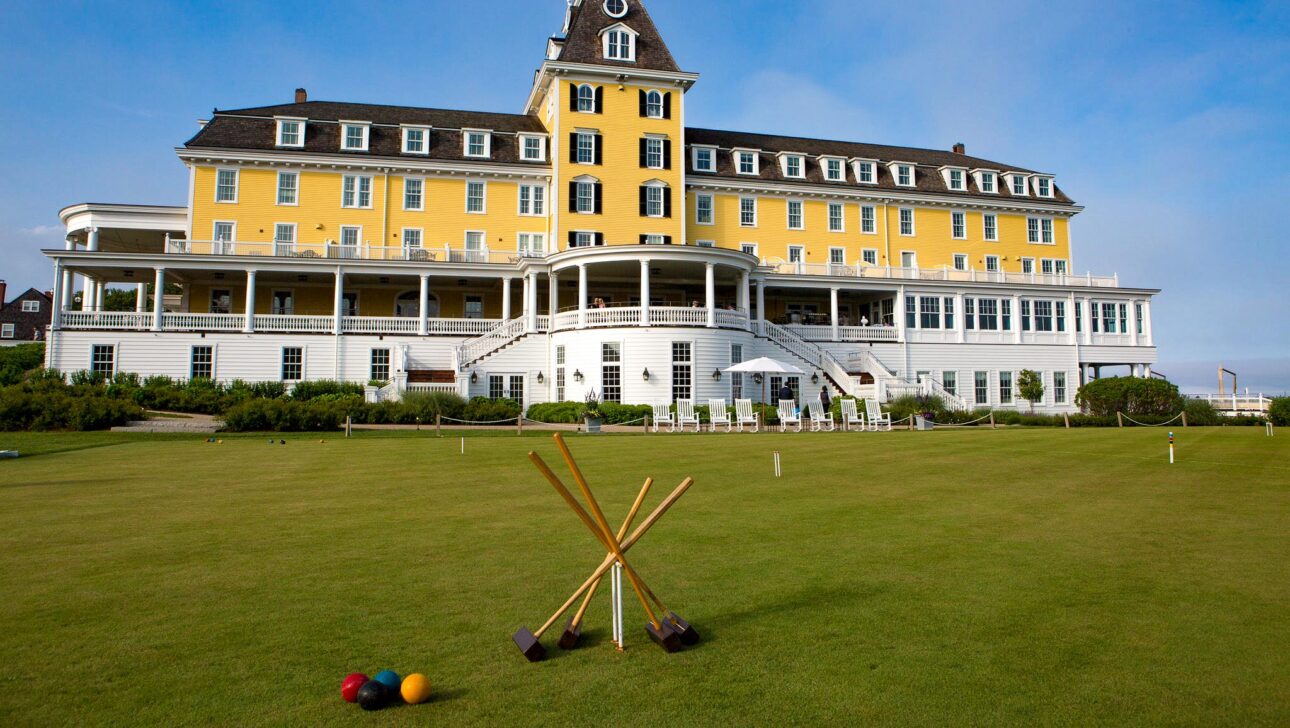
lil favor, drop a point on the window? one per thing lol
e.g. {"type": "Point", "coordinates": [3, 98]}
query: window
{"type": "Point", "coordinates": [585, 200]}
{"type": "Point", "coordinates": [284, 238]}
{"type": "Point", "coordinates": [1039, 230]}
{"type": "Point", "coordinates": [950, 382]}
{"type": "Point", "coordinates": [1124, 318]}
{"type": "Point", "coordinates": [478, 144]}
{"type": "Point", "coordinates": [653, 153]}
{"type": "Point", "coordinates": [532, 149]}
{"type": "Point", "coordinates": [654, 105]}
{"type": "Point", "coordinates": [1046, 266]}
{"type": "Point", "coordinates": [736, 379]}
{"type": "Point", "coordinates": [34, 307]}
{"type": "Point", "coordinates": [226, 185]}
{"type": "Point", "coordinates": [836, 224]}
{"type": "Point", "coordinates": [982, 388]}
{"type": "Point", "coordinates": [1044, 316]}
{"type": "Point", "coordinates": [1046, 231]}
{"type": "Point", "coordinates": [496, 387]}
{"type": "Point", "coordinates": [102, 360]}
{"type": "Point", "coordinates": [837, 256]}
{"type": "Point", "coordinates": [413, 193]}
{"type": "Point", "coordinates": [224, 233]}
{"type": "Point", "coordinates": [868, 220]}
{"type": "Point", "coordinates": [293, 363]}
{"type": "Point", "coordinates": [1061, 315]}
{"type": "Point", "coordinates": [585, 239]}
{"type": "Point", "coordinates": [291, 133]}
{"type": "Point", "coordinates": [795, 221]}
{"type": "Point", "coordinates": [957, 182]}
{"type": "Point", "coordinates": [911, 312]}
{"type": "Point", "coordinates": [611, 371]}
{"type": "Point", "coordinates": [869, 256]}
{"type": "Point", "coordinates": [794, 385]}
{"type": "Point", "coordinates": [682, 371]}
{"type": "Point", "coordinates": [1045, 186]}
{"type": "Point", "coordinates": [532, 200]}
{"type": "Point", "coordinates": [905, 175]}
{"type": "Point", "coordinates": [889, 312]}
{"type": "Point", "coordinates": [987, 182]}
{"type": "Point", "coordinates": [474, 307]}
{"type": "Point", "coordinates": [749, 249]}
{"type": "Point", "coordinates": [586, 99]}
{"type": "Point", "coordinates": [282, 303]}
{"type": "Point", "coordinates": [559, 373]}
{"type": "Point", "coordinates": [354, 137]}
{"type": "Point", "coordinates": [793, 166]}
{"type": "Point", "coordinates": [929, 312]}
{"type": "Point", "coordinates": [615, 8]}
{"type": "Point", "coordinates": [380, 368]}
{"type": "Point", "coordinates": [1059, 267]}
{"type": "Point", "coordinates": [1025, 315]}
{"type": "Point", "coordinates": [475, 203]}
{"type": "Point", "coordinates": [988, 314]}
{"type": "Point", "coordinates": [958, 225]}
{"type": "Point", "coordinates": [906, 221]}
{"type": "Point", "coordinates": [969, 318]}
{"type": "Point", "coordinates": [866, 173]}
{"type": "Point", "coordinates": [960, 261]}
{"type": "Point", "coordinates": [349, 239]}
{"type": "Point", "coordinates": [1005, 306]}
{"type": "Point", "coordinates": [1059, 387]}
{"type": "Point", "coordinates": [949, 312]}
{"type": "Point", "coordinates": [1027, 265]}
{"type": "Point", "coordinates": [748, 212]}
{"type": "Point", "coordinates": [1137, 315]}
{"type": "Point", "coordinates": [415, 140]}
{"type": "Point", "coordinates": [703, 214]}
{"type": "Point", "coordinates": [796, 254]}
{"type": "Point", "coordinates": [584, 148]}
{"type": "Point", "coordinates": [1005, 387]}
{"type": "Point", "coordinates": [990, 225]}
{"type": "Point", "coordinates": [356, 191]}
{"type": "Point", "coordinates": [412, 238]}
{"type": "Point", "coordinates": [747, 162]}
{"type": "Point", "coordinates": [992, 263]}
{"type": "Point", "coordinates": [653, 197]}
{"type": "Point", "coordinates": [288, 187]}
{"type": "Point", "coordinates": [1019, 185]}
{"type": "Point", "coordinates": [532, 244]}
{"type": "Point", "coordinates": [1108, 319]}
{"type": "Point", "coordinates": [704, 159]}
{"type": "Point", "coordinates": [833, 170]}
{"type": "Point", "coordinates": [620, 45]}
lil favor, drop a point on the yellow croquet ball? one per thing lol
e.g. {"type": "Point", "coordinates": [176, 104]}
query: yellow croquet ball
{"type": "Point", "coordinates": [415, 689]}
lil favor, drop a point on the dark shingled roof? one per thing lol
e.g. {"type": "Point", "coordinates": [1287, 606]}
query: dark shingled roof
{"type": "Point", "coordinates": [927, 178]}
{"type": "Point", "coordinates": [255, 129]}
{"type": "Point", "coordinates": [583, 45]}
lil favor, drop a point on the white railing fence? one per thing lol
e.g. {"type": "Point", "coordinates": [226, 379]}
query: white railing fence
{"type": "Point", "coordinates": [808, 352]}
{"type": "Point", "coordinates": [939, 274]}
{"type": "Point", "coordinates": [481, 346]}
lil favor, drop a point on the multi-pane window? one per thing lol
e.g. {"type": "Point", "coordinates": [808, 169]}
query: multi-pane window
{"type": "Point", "coordinates": [654, 105]}
{"type": "Point", "coordinates": [290, 133]}
{"type": "Point", "coordinates": [988, 314]}
{"type": "Point", "coordinates": [496, 387]}
{"type": "Point", "coordinates": [224, 233]}
{"type": "Point", "coordinates": [1137, 317]}
{"type": "Point", "coordinates": [618, 46]}
{"type": "Point", "coordinates": [475, 197]}
{"type": "Point", "coordinates": [349, 237]}
{"type": "Point", "coordinates": [226, 185]}
{"type": "Point", "coordinates": [414, 140]}
{"type": "Point", "coordinates": [747, 162]}
{"type": "Point", "coordinates": [654, 201]}
{"type": "Point", "coordinates": [960, 261]}
{"type": "Point", "coordinates": [950, 382]}
{"type": "Point", "coordinates": [355, 137]}
{"type": "Point", "coordinates": [1027, 265]}
{"type": "Point", "coordinates": [1059, 387]}
{"type": "Point", "coordinates": [1018, 185]}
{"type": "Point", "coordinates": [929, 309]}
{"type": "Point", "coordinates": [412, 238]}
{"type": "Point", "coordinates": [532, 244]}
{"type": "Point", "coordinates": [1060, 315]}
{"type": "Point", "coordinates": [1044, 316]}
{"type": "Point", "coordinates": [794, 385]}
{"type": "Point", "coordinates": [1005, 387]}
{"type": "Point", "coordinates": [796, 253]}
{"type": "Point", "coordinates": [413, 193]}
{"type": "Point", "coordinates": [356, 191]}
{"type": "Point", "coordinates": [748, 211]}
{"type": "Point", "coordinates": [284, 238]}
{"type": "Point", "coordinates": [911, 312]}
{"type": "Point", "coordinates": [611, 371]}
{"type": "Point", "coordinates": [987, 182]}
{"type": "Point", "coordinates": [1124, 318]}
{"type": "Point", "coordinates": [906, 221]}
{"type": "Point", "coordinates": [793, 166]}
{"type": "Point", "coordinates": [969, 315]}
{"type": "Point", "coordinates": [532, 200]}
{"type": "Point", "coordinates": [1005, 307]}
{"type": "Point", "coordinates": [837, 256]}
{"type": "Point", "coordinates": [1025, 315]}
{"type": "Point", "coordinates": [868, 219]}
{"type": "Point", "coordinates": [958, 224]}
{"type": "Point", "coordinates": [653, 153]}
{"type": "Point", "coordinates": [869, 256]}
{"type": "Point", "coordinates": [559, 373]}
{"type": "Point", "coordinates": [736, 379]}
{"type": "Point", "coordinates": [288, 188]}
{"type": "Point", "coordinates": [584, 240]}
{"type": "Point", "coordinates": [949, 312]}
{"type": "Point", "coordinates": [476, 144]}
{"type": "Point", "coordinates": [515, 390]}
{"type": "Point", "coordinates": [533, 149]}
{"type": "Point", "coordinates": [586, 148]}
{"type": "Point", "coordinates": [833, 170]}
{"type": "Point", "coordinates": [682, 371]}
{"type": "Point", "coordinates": [474, 307]}
{"type": "Point", "coordinates": [704, 160]}
{"type": "Point", "coordinates": [586, 199]}
{"type": "Point", "coordinates": [956, 180]}
{"type": "Point", "coordinates": [1045, 187]}
{"type": "Point", "coordinates": [982, 388]}
{"type": "Point", "coordinates": [835, 217]}
{"type": "Point", "coordinates": [380, 369]}
{"type": "Point", "coordinates": [865, 173]}
{"type": "Point", "coordinates": [904, 175]}
{"type": "Point", "coordinates": [703, 214]}
{"type": "Point", "coordinates": [1108, 318]}
{"type": "Point", "coordinates": [586, 99]}
{"type": "Point", "coordinates": [990, 223]}
{"type": "Point", "coordinates": [34, 307]}
{"type": "Point", "coordinates": [201, 362]}
{"type": "Point", "coordinates": [992, 263]}
{"type": "Point", "coordinates": [103, 360]}
{"type": "Point", "coordinates": [889, 312]}
{"type": "Point", "coordinates": [293, 363]}
{"type": "Point", "coordinates": [1046, 231]}
{"type": "Point", "coordinates": [795, 221]}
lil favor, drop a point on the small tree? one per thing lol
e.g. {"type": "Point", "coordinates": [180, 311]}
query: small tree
{"type": "Point", "coordinates": [1031, 387]}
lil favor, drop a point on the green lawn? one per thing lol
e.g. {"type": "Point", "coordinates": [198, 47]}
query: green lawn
{"type": "Point", "coordinates": [968, 577]}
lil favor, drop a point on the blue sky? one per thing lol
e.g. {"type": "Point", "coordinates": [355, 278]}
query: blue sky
{"type": "Point", "coordinates": [1170, 122]}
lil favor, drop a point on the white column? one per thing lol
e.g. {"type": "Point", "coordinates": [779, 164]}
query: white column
{"type": "Point", "coordinates": [338, 302]}
{"type": "Point", "coordinates": [524, 298]}
{"type": "Point", "coordinates": [531, 305]}
{"type": "Point", "coordinates": [100, 295]}
{"type": "Point", "coordinates": [423, 311]}
{"type": "Point", "coordinates": [1146, 371]}
{"type": "Point", "coordinates": [710, 285]}
{"type": "Point", "coordinates": [87, 294]}
{"type": "Point", "coordinates": [249, 326]}
{"type": "Point", "coordinates": [833, 312]}
{"type": "Point", "coordinates": [1147, 339]}
{"type": "Point", "coordinates": [69, 285]}
{"type": "Point", "coordinates": [899, 309]}
{"type": "Point", "coordinates": [1070, 321]}
{"type": "Point", "coordinates": [1016, 319]}
{"type": "Point", "coordinates": [745, 294]}
{"type": "Point", "coordinates": [55, 316]}
{"type": "Point", "coordinates": [92, 240]}
{"type": "Point", "coordinates": [761, 301]}
{"type": "Point", "coordinates": [1086, 307]}
{"type": "Point", "coordinates": [1133, 323]}
{"type": "Point", "coordinates": [553, 294]}
{"type": "Point", "coordinates": [960, 322]}
{"type": "Point", "coordinates": [159, 285]}
{"type": "Point", "coordinates": [140, 297]}
{"type": "Point", "coordinates": [645, 293]}
{"type": "Point", "coordinates": [506, 298]}
{"type": "Point", "coordinates": [582, 295]}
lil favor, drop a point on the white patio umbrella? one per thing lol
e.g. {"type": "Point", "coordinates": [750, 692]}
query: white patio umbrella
{"type": "Point", "coordinates": [763, 366]}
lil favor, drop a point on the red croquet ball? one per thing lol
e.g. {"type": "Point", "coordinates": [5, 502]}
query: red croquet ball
{"type": "Point", "coordinates": [349, 687]}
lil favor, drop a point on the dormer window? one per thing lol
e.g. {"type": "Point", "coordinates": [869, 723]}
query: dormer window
{"type": "Point", "coordinates": [1044, 186]}
{"type": "Point", "coordinates": [477, 144]}
{"type": "Point", "coordinates": [794, 166]}
{"type": "Point", "coordinates": [615, 8]}
{"type": "Point", "coordinates": [833, 169]}
{"type": "Point", "coordinates": [354, 135]}
{"type": "Point", "coordinates": [955, 179]}
{"type": "Point", "coordinates": [746, 162]}
{"type": "Point", "coordinates": [619, 43]}
{"type": "Point", "coordinates": [866, 171]}
{"type": "Point", "coordinates": [532, 148]}
{"type": "Point", "coordinates": [416, 140]}
{"type": "Point", "coordinates": [705, 159]}
{"type": "Point", "coordinates": [291, 133]}
{"type": "Point", "coordinates": [1018, 185]}
{"type": "Point", "coordinates": [987, 181]}
{"type": "Point", "coordinates": [903, 172]}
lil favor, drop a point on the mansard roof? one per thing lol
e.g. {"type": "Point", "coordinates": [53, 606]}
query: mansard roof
{"type": "Point", "coordinates": [928, 161]}
{"type": "Point", "coordinates": [582, 43]}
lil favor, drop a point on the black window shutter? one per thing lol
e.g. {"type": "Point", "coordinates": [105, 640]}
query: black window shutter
{"type": "Point", "coordinates": [667, 202]}
{"type": "Point", "coordinates": [667, 154]}
{"type": "Point", "coordinates": [600, 157]}
{"type": "Point", "coordinates": [597, 188]}
{"type": "Point", "coordinates": [573, 239]}
{"type": "Point", "coordinates": [644, 153]}
{"type": "Point", "coordinates": [667, 105]}
{"type": "Point", "coordinates": [644, 201]}
{"type": "Point", "coordinates": [573, 97]}
{"type": "Point", "coordinates": [573, 197]}
{"type": "Point", "coordinates": [573, 147]}
{"type": "Point", "coordinates": [644, 239]}
{"type": "Point", "coordinates": [600, 99]}
{"type": "Point", "coordinates": [600, 238]}
{"type": "Point", "coordinates": [667, 239]}
{"type": "Point", "coordinates": [644, 103]}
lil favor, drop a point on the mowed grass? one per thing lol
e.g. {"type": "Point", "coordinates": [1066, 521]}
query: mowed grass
{"type": "Point", "coordinates": [965, 577]}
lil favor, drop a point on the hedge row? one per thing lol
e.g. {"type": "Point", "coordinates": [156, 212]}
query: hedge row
{"type": "Point", "coordinates": [328, 412]}
{"type": "Point", "coordinates": [46, 403]}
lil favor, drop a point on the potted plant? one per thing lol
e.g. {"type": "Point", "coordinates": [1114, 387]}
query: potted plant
{"type": "Point", "coordinates": [591, 414]}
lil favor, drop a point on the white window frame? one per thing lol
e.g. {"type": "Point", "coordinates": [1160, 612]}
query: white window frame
{"type": "Point", "coordinates": [483, 240]}
{"type": "Point", "coordinates": [295, 189]}
{"type": "Point", "coordinates": [990, 227]}
{"type": "Point", "coordinates": [650, 106]}
{"type": "Point", "coordinates": [425, 140]}
{"type": "Point", "coordinates": [535, 191]}
{"type": "Point", "coordinates": [842, 258]}
{"type": "Point", "coordinates": [6, 331]}
{"type": "Point", "coordinates": [281, 120]}
{"type": "Point", "coordinates": [873, 218]}
{"type": "Point", "coordinates": [653, 189]}
{"type": "Point", "coordinates": [366, 128]}
{"type": "Point", "coordinates": [801, 214]}
{"type": "Point", "coordinates": [982, 175]}
{"type": "Point", "coordinates": [628, 39]}
{"type": "Point", "coordinates": [282, 363]}
{"type": "Point", "coordinates": [958, 224]}
{"type": "Point", "coordinates": [738, 155]}
{"type": "Point", "coordinates": [952, 174]}
{"type": "Point", "coordinates": [960, 261]}
{"type": "Point", "coordinates": [712, 159]}
{"type": "Point", "coordinates": [755, 212]}
{"type": "Point", "coordinates": [358, 237]}
{"type": "Point", "coordinates": [860, 166]}
{"type": "Point", "coordinates": [869, 256]}
{"type": "Point", "coordinates": [1040, 181]}
{"type": "Point", "coordinates": [826, 169]}
{"type": "Point", "coordinates": [590, 184]}
{"type": "Point", "coordinates": [31, 306]}
{"type": "Point", "coordinates": [421, 181]}
{"type": "Point", "coordinates": [280, 243]}
{"type": "Point", "coordinates": [786, 166]}
{"type": "Point", "coordinates": [1013, 178]}
{"type": "Point", "coordinates": [237, 184]}
{"type": "Point", "coordinates": [652, 141]}
{"type": "Point", "coordinates": [913, 229]}
{"type": "Point", "coordinates": [1027, 265]}
{"type": "Point", "coordinates": [524, 139]}
{"type": "Point", "coordinates": [531, 250]}
{"type": "Point", "coordinates": [992, 264]}
{"type": "Point", "coordinates": [358, 191]}
{"type": "Point", "coordinates": [896, 168]}
{"type": "Point", "coordinates": [797, 254]}
{"type": "Point", "coordinates": [752, 249]}
{"type": "Point", "coordinates": [421, 238]}
{"type": "Point", "coordinates": [841, 218]}
{"type": "Point", "coordinates": [483, 205]}
{"type": "Point", "coordinates": [466, 134]}
{"type": "Point", "coordinates": [579, 136]}
{"type": "Point", "coordinates": [232, 226]}
{"type": "Point", "coordinates": [591, 99]}
{"type": "Point", "coordinates": [712, 208]}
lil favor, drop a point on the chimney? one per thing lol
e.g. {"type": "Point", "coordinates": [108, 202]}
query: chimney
{"type": "Point", "coordinates": [3, 289]}
{"type": "Point", "coordinates": [301, 96]}
{"type": "Point", "coordinates": [960, 149]}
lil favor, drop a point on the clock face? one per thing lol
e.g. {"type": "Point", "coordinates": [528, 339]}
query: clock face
{"type": "Point", "coordinates": [615, 8]}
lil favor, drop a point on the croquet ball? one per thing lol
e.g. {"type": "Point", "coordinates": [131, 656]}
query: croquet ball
{"type": "Point", "coordinates": [374, 695]}
{"type": "Point", "coordinates": [416, 689]}
{"type": "Point", "coordinates": [350, 685]}
{"type": "Point", "coordinates": [389, 679]}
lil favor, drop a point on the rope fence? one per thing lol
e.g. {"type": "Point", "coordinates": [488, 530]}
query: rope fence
{"type": "Point", "coordinates": [966, 424]}
{"type": "Point", "coordinates": [1176, 418]}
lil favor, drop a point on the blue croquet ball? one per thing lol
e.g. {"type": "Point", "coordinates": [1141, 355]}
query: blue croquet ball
{"type": "Point", "coordinates": [390, 679]}
{"type": "Point", "coordinates": [374, 695]}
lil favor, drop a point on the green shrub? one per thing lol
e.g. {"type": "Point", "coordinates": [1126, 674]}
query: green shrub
{"type": "Point", "coordinates": [284, 415]}
{"type": "Point", "coordinates": [619, 414]}
{"type": "Point", "coordinates": [1279, 413]}
{"type": "Point", "coordinates": [1131, 395]}
{"type": "Point", "coordinates": [423, 406]}
{"type": "Point", "coordinates": [17, 361]}
{"type": "Point", "coordinates": [490, 411]}
{"type": "Point", "coordinates": [564, 413]}
{"type": "Point", "coordinates": [1201, 413]}
{"type": "Point", "coordinates": [44, 408]}
{"type": "Point", "coordinates": [305, 391]}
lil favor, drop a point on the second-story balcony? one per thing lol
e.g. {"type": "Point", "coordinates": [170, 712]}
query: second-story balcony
{"type": "Point", "coordinates": [945, 274]}
{"type": "Point", "coordinates": [332, 250]}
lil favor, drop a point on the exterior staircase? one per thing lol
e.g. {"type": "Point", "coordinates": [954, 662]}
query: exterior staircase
{"type": "Point", "coordinates": [492, 341]}
{"type": "Point", "coordinates": [837, 375]}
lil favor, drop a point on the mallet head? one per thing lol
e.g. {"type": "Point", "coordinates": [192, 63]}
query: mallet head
{"type": "Point", "coordinates": [529, 645]}
{"type": "Point", "coordinates": [689, 635]}
{"type": "Point", "coordinates": [572, 633]}
{"type": "Point", "coordinates": [665, 636]}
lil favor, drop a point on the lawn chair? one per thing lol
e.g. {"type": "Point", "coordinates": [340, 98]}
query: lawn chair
{"type": "Point", "coordinates": [663, 416]}
{"type": "Point", "coordinates": [788, 415]}
{"type": "Point", "coordinates": [851, 416]}
{"type": "Point", "coordinates": [878, 420]}
{"type": "Point", "coordinates": [718, 414]}
{"type": "Point", "coordinates": [744, 415]}
{"type": "Point", "coordinates": [821, 419]}
{"type": "Point", "coordinates": [685, 415]}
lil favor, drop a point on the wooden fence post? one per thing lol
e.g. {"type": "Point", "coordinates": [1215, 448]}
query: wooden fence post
{"type": "Point", "coordinates": [349, 426]}
{"type": "Point", "coordinates": [1119, 417]}
{"type": "Point", "coordinates": [911, 423]}
{"type": "Point", "coordinates": [992, 425]}
{"type": "Point", "coordinates": [438, 425]}
{"type": "Point", "coordinates": [1066, 416]}
{"type": "Point", "coordinates": [646, 423]}
{"type": "Point", "coordinates": [519, 425]}
{"type": "Point", "coordinates": [1184, 418]}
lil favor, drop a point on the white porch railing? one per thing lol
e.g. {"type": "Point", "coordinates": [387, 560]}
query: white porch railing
{"type": "Point", "coordinates": [449, 388]}
{"type": "Point", "coordinates": [808, 352]}
{"type": "Point", "coordinates": [940, 274]}
{"type": "Point", "coordinates": [845, 333]}
{"type": "Point", "coordinates": [1236, 403]}
{"type": "Point", "coordinates": [202, 322]}
{"type": "Point", "coordinates": [105, 320]}
{"type": "Point", "coordinates": [375, 325]}
{"type": "Point", "coordinates": [658, 316]}
{"type": "Point", "coordinates": [481, 346]}
{"type": "Point", "coordinates": [331, 250]}
{"type": "Point", "coordinates": [278, 323]}
{"type": "Point", "coordinates": [274, 323]}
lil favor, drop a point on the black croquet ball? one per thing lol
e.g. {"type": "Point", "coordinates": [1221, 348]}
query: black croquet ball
{"type": "Point", "coordinates": [373, 695]}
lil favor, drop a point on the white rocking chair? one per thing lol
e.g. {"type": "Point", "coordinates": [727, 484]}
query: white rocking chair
{"type": "Point", "coordinates": [788, 415]}
{"type": "Point", "coordinates": [821, 420]}
{"type": "Point", "coordinates": [851, 416]}
{"type": "Point", "coordinates": [879, 421]}
{"type": "Point", "coordinates": [663, 416]}
{"type": "Point", "coordinates": [744, 415]}
{"type": "Point", "coordinates": [718, 415]}
{"type": "Point", "coordinates": [685, 415]}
